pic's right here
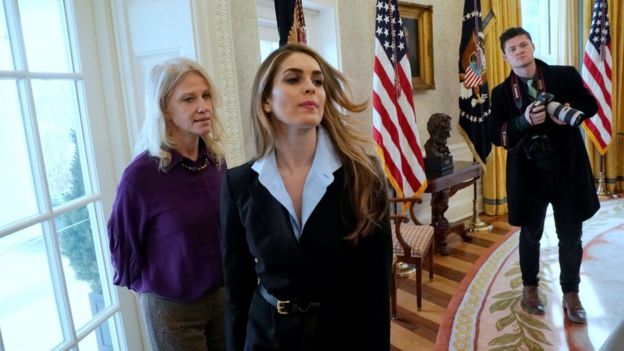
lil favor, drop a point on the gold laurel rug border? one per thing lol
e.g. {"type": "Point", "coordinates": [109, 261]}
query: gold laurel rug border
{"type": "Point", "coordinates": [462, 319]}
{"type": "Point", "coordinates": [464, 325]}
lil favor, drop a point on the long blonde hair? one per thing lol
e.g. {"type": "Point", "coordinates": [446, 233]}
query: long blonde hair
{"type": "Point", "coordinates": [154, 136]}
{"type": "Point", "coordinates": [364, 178]}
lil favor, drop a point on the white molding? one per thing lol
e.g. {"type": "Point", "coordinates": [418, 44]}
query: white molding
{"type": "Point", "coordinates": [203, 34]}
{"type": "Point", "coordinates": [460, 152]}
{"type": "Point", "coordinates": [121, 34]}
{"type": "Point", "coordinates": [227, 80]}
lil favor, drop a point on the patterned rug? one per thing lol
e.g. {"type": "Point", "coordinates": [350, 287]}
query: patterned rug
{"type": "Point", "coordinates": [485, 314]}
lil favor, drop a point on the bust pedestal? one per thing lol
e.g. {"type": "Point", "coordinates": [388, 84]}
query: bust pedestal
{"type": "Point", "coordinates": [438, 166]}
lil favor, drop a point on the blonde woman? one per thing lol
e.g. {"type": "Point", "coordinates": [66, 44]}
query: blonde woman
{"type": "Point", "coordinates": [306, 236]}
{"type": "Point", "coordinates": [164, 235]}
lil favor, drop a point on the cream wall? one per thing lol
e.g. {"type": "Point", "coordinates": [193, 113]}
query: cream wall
{"type": "Point", "coordinates": [357, 25]}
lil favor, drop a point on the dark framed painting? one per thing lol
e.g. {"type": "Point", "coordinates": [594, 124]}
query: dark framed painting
{"type": "Point", "coordinates": [419, 37]}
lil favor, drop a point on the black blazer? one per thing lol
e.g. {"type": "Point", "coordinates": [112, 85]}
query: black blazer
{"type": "Point", "coordinates": [351, 281]}
{"type": "Point", "coordinates": [568, 145]}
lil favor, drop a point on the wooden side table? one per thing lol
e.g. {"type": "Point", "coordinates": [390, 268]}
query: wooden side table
{"type": "Point", "coordinates": [442, 188]}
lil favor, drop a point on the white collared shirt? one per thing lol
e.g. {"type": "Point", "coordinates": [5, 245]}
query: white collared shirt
{"type": "Point", "coordinates": [320, 176]}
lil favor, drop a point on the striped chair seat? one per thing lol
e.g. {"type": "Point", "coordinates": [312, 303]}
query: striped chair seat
{"type": "Point", "coordinates": [417, 237]}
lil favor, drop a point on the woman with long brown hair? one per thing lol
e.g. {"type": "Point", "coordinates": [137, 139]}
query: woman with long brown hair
{"type": "Point", "coordinates": [306, 237]}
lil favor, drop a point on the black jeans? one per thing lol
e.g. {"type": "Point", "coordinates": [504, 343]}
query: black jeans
{"type": "Point", "coordinates": [551, 188]}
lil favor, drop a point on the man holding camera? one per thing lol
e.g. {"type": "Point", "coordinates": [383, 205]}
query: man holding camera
{"type": "Point", "coordinates": [535, 116]}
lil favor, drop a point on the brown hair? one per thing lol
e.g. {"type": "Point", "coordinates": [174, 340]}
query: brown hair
{"type": "Point", "coordinates": [364, 178]}
{"type": "Point", "coordinates": [510, 33]}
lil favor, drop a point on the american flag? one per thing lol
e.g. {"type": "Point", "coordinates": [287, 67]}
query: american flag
{"type": "Point", "coordinates": [596, 74]}
{"type": "Point", "coordinates": [471, 79]}
{"type": "Point", "coordinates": [394, 122]}
{"type": "Point", "coordinates": [290, 21]}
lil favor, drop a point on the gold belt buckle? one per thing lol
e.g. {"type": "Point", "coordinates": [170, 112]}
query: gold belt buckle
{"type": "Point", "coordinates": [281, 306]}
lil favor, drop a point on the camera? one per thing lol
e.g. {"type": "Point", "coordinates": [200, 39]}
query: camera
{"type": "Point", "coordinates": [566, 114]}
{"type": "Point", "coordinates": [537, 147]}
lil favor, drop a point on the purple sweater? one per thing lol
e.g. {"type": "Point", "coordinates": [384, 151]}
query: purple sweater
{"type": "Point", "coordinates": [164, 229]}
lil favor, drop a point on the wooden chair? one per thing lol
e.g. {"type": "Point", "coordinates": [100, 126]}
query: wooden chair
{"type": "Point", "coordinates": [393, 288]}
{"type": "Point", "coordinates": [412, 242]}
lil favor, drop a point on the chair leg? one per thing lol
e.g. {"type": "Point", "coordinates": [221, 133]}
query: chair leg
{"type": "Point", "coordinates": [431, 252]}
{"type": "Point", "coordinates": [419, 282]}
{"type": "Point", "coordinates": [393, 292]}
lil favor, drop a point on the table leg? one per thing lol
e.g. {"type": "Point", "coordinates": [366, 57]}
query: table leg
{"type": "Point", "coordinates": [439, 205]}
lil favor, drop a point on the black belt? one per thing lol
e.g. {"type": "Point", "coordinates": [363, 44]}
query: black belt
{"type": "Point", "coordinates": [287, 306]}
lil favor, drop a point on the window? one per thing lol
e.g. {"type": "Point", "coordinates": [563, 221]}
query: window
{"type": "Point", "coordinates": [540, 18]}
{"type": "Point", "coordinates": [53, 267]}
{"type": "Point", "coordinates": [320, 28]}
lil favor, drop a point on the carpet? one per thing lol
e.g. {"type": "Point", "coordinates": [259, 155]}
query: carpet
{"type": "Point", "coordinates": [485, 314]}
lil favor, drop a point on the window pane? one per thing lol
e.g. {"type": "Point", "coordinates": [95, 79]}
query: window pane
{"type": "Point", "coordinates": [537, 19]}
{"type": "Point", "coordinates": [28, 314]}
{"type": "Point", "coordinates": [267, 47]}
{"type": "Point", "coordinates": [269, 38]}
{"type": "Point", "coordinates": [6, 62]}
{"type": "Point", "coordinates": [59, 127]}
{"type": "Point", "coordinates": [100, 339]}
{"type": "Point", "coordinates": [80, 264]}
{"type": "Point", "coordinates": [16, 183]}
{"type": "Point", "coordinates": [45, 35]}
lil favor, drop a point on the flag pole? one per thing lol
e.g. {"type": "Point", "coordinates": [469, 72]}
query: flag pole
{"type": "Point", "coordinates": [602, 192]}
{"type": "Point", "coordinates": [476, 224]}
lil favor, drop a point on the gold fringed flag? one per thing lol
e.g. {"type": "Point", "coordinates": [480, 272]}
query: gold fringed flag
{"type": "Point", "coordinates": [394, 122]}
{"type": "Point", "coordinates": [474, 101]}
{"type": "Point", "coordinates": [290, 21]}
{"type": "Point", "coordinates": [597, 76]}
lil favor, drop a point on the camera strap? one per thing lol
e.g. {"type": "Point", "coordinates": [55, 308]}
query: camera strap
{"type": "Point", "coordinates": [515, 87]}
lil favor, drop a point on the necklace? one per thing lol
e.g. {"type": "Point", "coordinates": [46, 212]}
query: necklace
{"type": "Point", "coordinates": [194, 168]}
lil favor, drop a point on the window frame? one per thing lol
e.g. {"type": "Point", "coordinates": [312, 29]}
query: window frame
{"type": "Point", "coordinates": [321, 26]}
{"type": "Point", "coordinates": [95, 160]}
{"type": "Point", "coordinates": [542, 22]}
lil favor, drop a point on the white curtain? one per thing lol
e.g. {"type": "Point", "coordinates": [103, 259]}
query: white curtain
{"type": "Point", "coordinates": [565, 16]}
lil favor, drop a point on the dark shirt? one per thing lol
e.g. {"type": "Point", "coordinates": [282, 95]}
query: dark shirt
{"type": "Point", "coordinates": [164, 228]}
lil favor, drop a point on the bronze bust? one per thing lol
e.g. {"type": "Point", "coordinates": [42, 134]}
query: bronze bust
{"type": "Point", "coordinates": [438, 159]}
{"type": "Point", "coordinates": [439, 128]}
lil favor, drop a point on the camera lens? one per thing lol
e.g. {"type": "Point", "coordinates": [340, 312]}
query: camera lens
{"type": "Point", "coordinates": [565, 114]}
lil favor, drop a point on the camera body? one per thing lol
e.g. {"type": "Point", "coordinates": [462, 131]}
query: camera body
{"type": "Point", "coordinates": [566, 114]}
{"type": "Point", "coordinates": [537, 147]}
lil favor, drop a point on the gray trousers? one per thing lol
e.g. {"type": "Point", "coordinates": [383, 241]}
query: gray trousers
{"type": "Point", "coordinates": [185, 326]}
